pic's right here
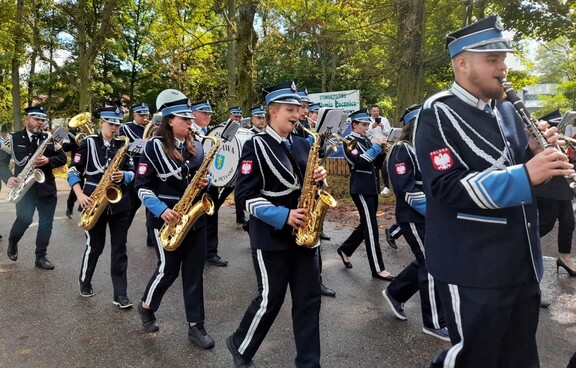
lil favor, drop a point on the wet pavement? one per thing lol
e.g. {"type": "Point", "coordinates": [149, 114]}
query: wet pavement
{"type": "Point", "coordinates": [44, 322]}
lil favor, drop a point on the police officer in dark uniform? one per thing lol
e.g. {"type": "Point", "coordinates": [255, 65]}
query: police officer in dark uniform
{"type": "Point", "coordinates": [257, 119]}
{"type": "Point", "coordinates": [406, 180]}
{"type": "Point", "coordinates": [41, 196]}
{"type": "Point", "coordinates": [268, 187]}
{"type": "Point", "coordinates": [91, 162]}
{"type": "Point", "coordinates": [364, 189]}
{"type": "Point", "coordinates": [478, 167]}
{"type": "Point", "coordinates": [168, 164]}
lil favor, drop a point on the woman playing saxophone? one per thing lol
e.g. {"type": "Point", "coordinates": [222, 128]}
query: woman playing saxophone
{"type": "Point", "coordinates": [167, 167]}
{"type": "Point", "coordinates": [95, 155]}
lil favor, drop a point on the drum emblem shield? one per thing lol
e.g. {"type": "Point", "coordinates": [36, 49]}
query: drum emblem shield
{"type": "Point", "coordinates": [219, 161]}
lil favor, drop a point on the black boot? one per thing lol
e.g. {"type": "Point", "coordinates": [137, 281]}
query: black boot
{"type": "Point", "coordinates": [148, 319]}
{"type": "Point", "coordinates": [12, 250]}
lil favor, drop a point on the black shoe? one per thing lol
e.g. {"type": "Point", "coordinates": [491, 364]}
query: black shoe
{"type": "Point", "coordinates": [122, 302]}
{"type": "Point", "coordinates": [239, 360]}
{"type": "Point", "coordinates": [390, 239]}
{"type": "Point", "coordinates": [69, 212]}
{"type": "Point", "coordinates": [376, 275]}
{"type": "Point", "coordinates": [559, 263]}
{"type": "Point", "coordinates": [395, 305]}
{"type": "Point", "coordinates": [324, 236]}
{"type": "Point", "coordinates": [44, 264]}
{"type": "Point", "coordinates": [326, 291]}
{"type": "Point", "coordinates": [86, 289]}
{"type": "Point", "coordinates": [216, 261]}
{"type": "Point", "coordinates": [347, 264]}
{"type": "Point", "coordinates": [12, 251]}
{"type": "Point", "coordinates": [0, 237]}
{"type": "Point", "coordinates": [148, 319]}
{"type": "Point", "coordinates": [198, 336]}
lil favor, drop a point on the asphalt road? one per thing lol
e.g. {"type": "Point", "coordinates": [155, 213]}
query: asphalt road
{"type": "Point", "coordinates": [44, 322]}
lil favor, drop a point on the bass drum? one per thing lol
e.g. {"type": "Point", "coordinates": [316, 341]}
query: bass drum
{"type": "Point", "coordinates": [224, 168]}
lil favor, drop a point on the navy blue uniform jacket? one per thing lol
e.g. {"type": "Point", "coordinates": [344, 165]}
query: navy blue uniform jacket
{"type": "Point", "coordinates": [481, 219]}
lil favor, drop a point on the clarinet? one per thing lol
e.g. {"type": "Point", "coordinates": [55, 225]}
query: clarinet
{"type": "Point", "coordinates": [532, 125]}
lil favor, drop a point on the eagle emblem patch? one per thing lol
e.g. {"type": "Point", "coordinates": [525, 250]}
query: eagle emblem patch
{"type": "Point", "coordinates": [246, 167]}
{"type": "Point", "coordinates": [142, 169]}
{"type": "Point", "coordinates": [354, 152]}
{"type": "Point", "coordinates": [441, 159]}
{"type": "Point", "coordinates": [77, 157]}
{"type": "Point", "coordinates": [400, 168]}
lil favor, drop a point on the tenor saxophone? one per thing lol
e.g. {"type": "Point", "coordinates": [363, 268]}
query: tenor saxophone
{"type": "Point", "coordinates": [29, 174]}
{"type": "Point", "coordinates": [172, 235]}
{"type": "Point", "coordinates": [316, 201]}
{"type": "Point", "coordinates": [106, 192]}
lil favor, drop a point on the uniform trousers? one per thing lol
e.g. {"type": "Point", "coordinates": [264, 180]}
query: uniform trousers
{"type": "Point", "coordinates": [95, 241]}
{"type": "Point", "coordinates": [189, 257]}
{"type": "Point", "coordinates": [46, 206]}
{"type": "Point", "coordinates": [367, 230]}
{"type": "Point", "coordinates": [72, 196]}
{"type": "Point", "coordinates": [296, 267]}
{"type": "Point", "coordinates": [490, 327]}
{"type": "Point", "coordinates": [415, 277]}
{"type": "Point", "coordinates": [134, 206]}
{"type": "Point", "coordinates": [550, 210]}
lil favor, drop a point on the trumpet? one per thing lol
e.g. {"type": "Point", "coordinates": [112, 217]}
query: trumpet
{"type": "Point", "coordinates": [81, 121]}
{"type": "Point", "coordinates": [385, 146]}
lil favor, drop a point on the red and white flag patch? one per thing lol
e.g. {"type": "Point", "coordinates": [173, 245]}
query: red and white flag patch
{"type": "Point", "coordinates": [77, 157]}
{"type": "Point", "coordinates": [400, 168]}
{"type": "Point", "coordinates": [246, 167]}
{"type": "Point", "coordinates": [442, 159]}
{"type": "Point", "coordinates": [354, 152]}
{"type": "Point", "coordinates": [142, 169]}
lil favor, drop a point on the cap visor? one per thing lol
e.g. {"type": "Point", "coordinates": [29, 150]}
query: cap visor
{"type": "Point", "coordinates": [184, 114]}
{"type": "Point", "coordinates": [491, 47]}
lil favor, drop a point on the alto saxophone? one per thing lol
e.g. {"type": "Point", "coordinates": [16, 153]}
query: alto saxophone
{"type": "Point", "coordinates": [106, 192]}
{"type": "Point", "coordinates": [29, 174]}
{"type": "Point", "coordinates": [172, 235]}
{"type": "Point", "coordinates": [316, 201]}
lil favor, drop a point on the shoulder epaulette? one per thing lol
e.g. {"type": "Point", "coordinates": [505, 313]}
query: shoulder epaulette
{"type": "Point", "coordinates": [436, 97]}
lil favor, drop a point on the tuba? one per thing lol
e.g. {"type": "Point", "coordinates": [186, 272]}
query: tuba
{"type": "Point", "coordinates": [316, 201]}
{"type": "Point", "coordinates": [106, 192]}
{"type": "Point", "coordinates": [172, 235]}
{"type": "Point", "coordinates": [81, 121]}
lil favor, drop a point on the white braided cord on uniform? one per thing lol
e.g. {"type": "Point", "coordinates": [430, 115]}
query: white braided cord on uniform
{"type": "Point", "coordinates": [262, 145]}
{"type": "Point", "coordinates": [452, 115]}
{"type": "Point", "coordinates": [17, 162]}
{"type": "Point", "coordinates": [92, 151]}
{"type": "Point", "coordinates": [162, 172]}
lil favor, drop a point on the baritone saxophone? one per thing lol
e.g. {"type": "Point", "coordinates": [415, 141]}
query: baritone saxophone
{"type": "Point", "coordinates": [172, 235]}
{"type": "Point", "coordinates": [316, 201]}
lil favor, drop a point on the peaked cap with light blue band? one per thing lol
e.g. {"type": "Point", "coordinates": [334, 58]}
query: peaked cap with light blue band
{"type": "Point", "coordinates": [303, 93]}
{"type": "Point", "coordinates": [284, 93]}
{"type": "Point", "coordinates": [236, 110]}
{"type": "Point", "coordinates": [483, 36]}
{"type": "Point", "coordinates": [37, 112]}
{"type": "Point", "coordinates": [112, 115]}
{"type": "Point", "coordinates": [140, 108]}
{"type": "Point", "coordinates": [315, 107]}
{"type": "Point", "coordinates": [202, 106]}
{"type": "Point", "coordinates": [258, 111]}
{"type": "Point", "coordinates": [360, 116]}
{"type": "Point", "coordinates": [410, 114]}
{"type": "Point", "coordinates": [180, 108]}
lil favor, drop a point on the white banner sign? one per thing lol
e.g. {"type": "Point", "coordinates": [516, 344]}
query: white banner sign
{"type": "Point", "coordinates": [349, 101]}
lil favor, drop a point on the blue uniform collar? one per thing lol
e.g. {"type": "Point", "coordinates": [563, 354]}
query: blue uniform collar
{"type": "Point", "coordinates": [467, 97]}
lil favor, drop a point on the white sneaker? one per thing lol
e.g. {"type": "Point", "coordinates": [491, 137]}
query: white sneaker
{"type": "Point", "coordinates": [573, 207]}
{"type": "Point", "coordinates": [385, 191]}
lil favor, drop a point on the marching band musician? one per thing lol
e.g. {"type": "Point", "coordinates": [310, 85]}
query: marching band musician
{"type": "Point", "coordinates": [135, 130]}
{"type": "Point", "coordinates": [313, 110]}
{"type": "Point", "coordinates": [257, 119]}
{"type": "Point", "coordinates": [202, 112]}
{"type": "Point", "coordinates": [169, 161]}
{"type": "Point", "coordinates": [71, 146]}
{"type": "Point", "coordinates": [364, 190]}
{"type": "Point", "coordinates": [406, 180]}
{"type": "Point", "coordinates": [303, 112]}
{"type": "Point", "coordinates": [41, 196]}
{"type": "Point", "coordinates": [234, 114]}
{"type": "Point", "coordinates": [91, 161]}
{"type": "Point", "coordinates": [478, 168]}
{"type": "Point", "coordinates": [268, 187]}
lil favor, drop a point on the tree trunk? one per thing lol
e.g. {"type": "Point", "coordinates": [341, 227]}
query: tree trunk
{"type": "Point", "coordinates": [15, 63]}
{"type": "Point", "coordinates": [231, 57]}
{"type": "Point", "coordinates": [410, 82]}
{"type": "Point", "coordinates": [247, 38]}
